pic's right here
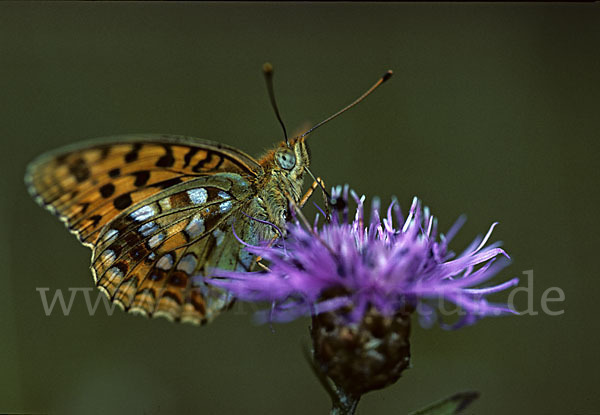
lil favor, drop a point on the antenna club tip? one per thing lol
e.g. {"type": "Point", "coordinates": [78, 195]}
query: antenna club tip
{"type": "Point", "coordinates": [387, 75]}
{"type": "Point", "coordinates": [267, 68]}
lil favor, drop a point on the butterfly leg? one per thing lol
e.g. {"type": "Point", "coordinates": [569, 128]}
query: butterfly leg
{"type": "Point", "coordinates": [317, 183]}
{"type": "Point", "coordinates": [321, 184]}
{"type": "Point", "coordinates": [261, 265]}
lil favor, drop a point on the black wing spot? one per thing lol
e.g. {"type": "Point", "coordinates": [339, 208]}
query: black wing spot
{"type": "Point", "coordinates": [96, 219]}
{"type": "Point", "coordinates": [200, 165]}
{"type": "Point", "coordinates": [141, 177]}
{"type": "Point", "coordinates": [84, 206]}
{"type": "Point", "coordinates": [133, 154]}
{"type": "Point", "coordinates": [167, 160]}
{"type": "Point", "coordinates": [80, 170]}
{"type": "Point", "coordinates": [123, 201]}
{"type": "Point", "coordinates": [114, 173]}
{"type": "Point", "coordinates": [104, 152]}
{"type": "Point", "coordinates": [107, 190]}
{"type": "Point", "coordinates": [221, 159]}
{"type": "Point", "coordinates": [167, 183]}
{"type": "Point", "coordinates": [188, 156]}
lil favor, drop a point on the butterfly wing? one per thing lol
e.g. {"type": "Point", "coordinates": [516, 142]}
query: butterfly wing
{"type": "Point", "coordinates": [157, 212]}
{"type": "Point", "coordinates": [152, 257]}
{"type": "Point", "coordinates": [88, 185]}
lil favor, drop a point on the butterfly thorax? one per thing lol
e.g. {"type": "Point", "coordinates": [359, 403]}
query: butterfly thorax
{"type": "Point", "coordinates": [284, 168]}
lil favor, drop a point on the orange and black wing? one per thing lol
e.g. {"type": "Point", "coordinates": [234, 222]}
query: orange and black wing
{"type": "Point", "coordinates": [157, 212]}
{"type": "Point", "coordinates": [89, 185]}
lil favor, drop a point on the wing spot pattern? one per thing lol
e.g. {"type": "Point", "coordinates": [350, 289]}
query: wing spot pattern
{"type": "Point", "coordinates": [143, 213]}
{"type": "Point", "coordinates": [123, 201]}
{"type": "Point", "coordinates": [156, 240]}
{"type": "Point", "coordinates": [225, 206]}
{"type": "Point", "coordinates": [110, 236]}
{"type": "Point", "coordinates": [141, 178]}
{"type": "Point", "coordinates": [165, 262]}
{"type": "Point", "coordinates": [80, 170]}
{"type": "Point", "coordinates": [107, 190]}
{"type": "Point", "coordinates": [148, 228]}
{"type": "Point", "coordinates": [133, 154]}
{"type": "Point", "coordinates": [167, 160]}
{"type": "Point", "coordinates": [187, 264]}
{"type": "Point", "coordinates": [198, 196]}
{"type": "Point", "coordinates": [195, 227]}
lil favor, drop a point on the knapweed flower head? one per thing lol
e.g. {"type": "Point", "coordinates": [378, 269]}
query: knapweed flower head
{"type": "Point", "coordinates": [388, 264]}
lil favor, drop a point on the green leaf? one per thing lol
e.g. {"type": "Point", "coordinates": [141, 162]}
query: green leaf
{"type": "Point", "coordinates": [449, 406]}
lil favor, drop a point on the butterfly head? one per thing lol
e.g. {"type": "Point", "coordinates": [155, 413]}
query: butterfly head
{"type": "Point", "coordinates": [286, 164]}
{"type": "Point", "coordinates": [293, 156]}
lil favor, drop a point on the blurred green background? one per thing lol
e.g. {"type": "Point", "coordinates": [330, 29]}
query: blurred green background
{"type": "Point", "coordinates": [493, 111]}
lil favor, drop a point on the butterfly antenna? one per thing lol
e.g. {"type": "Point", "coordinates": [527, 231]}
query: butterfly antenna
{"type": "Point", "coordinates": [268, 72]}
{"type": "Point", "coordinates": [381, 80]}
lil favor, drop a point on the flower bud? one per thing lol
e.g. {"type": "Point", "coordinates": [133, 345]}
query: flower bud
{"type": "Point", "coordinates": [364, 356]}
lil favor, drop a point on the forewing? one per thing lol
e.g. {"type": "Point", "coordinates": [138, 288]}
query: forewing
{"type": "Point", "coordinates": [90, 184]}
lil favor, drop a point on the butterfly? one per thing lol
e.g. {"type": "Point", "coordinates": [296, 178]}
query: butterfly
{"type": "Point", "coordinates": [160, 212]}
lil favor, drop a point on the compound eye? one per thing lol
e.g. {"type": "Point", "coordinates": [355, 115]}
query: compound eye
{"type": "Point", "coordinates": [286, 159]}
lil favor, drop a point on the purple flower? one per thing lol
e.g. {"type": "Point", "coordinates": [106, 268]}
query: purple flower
{"type": "Point", "coordinates": [389, 264]}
